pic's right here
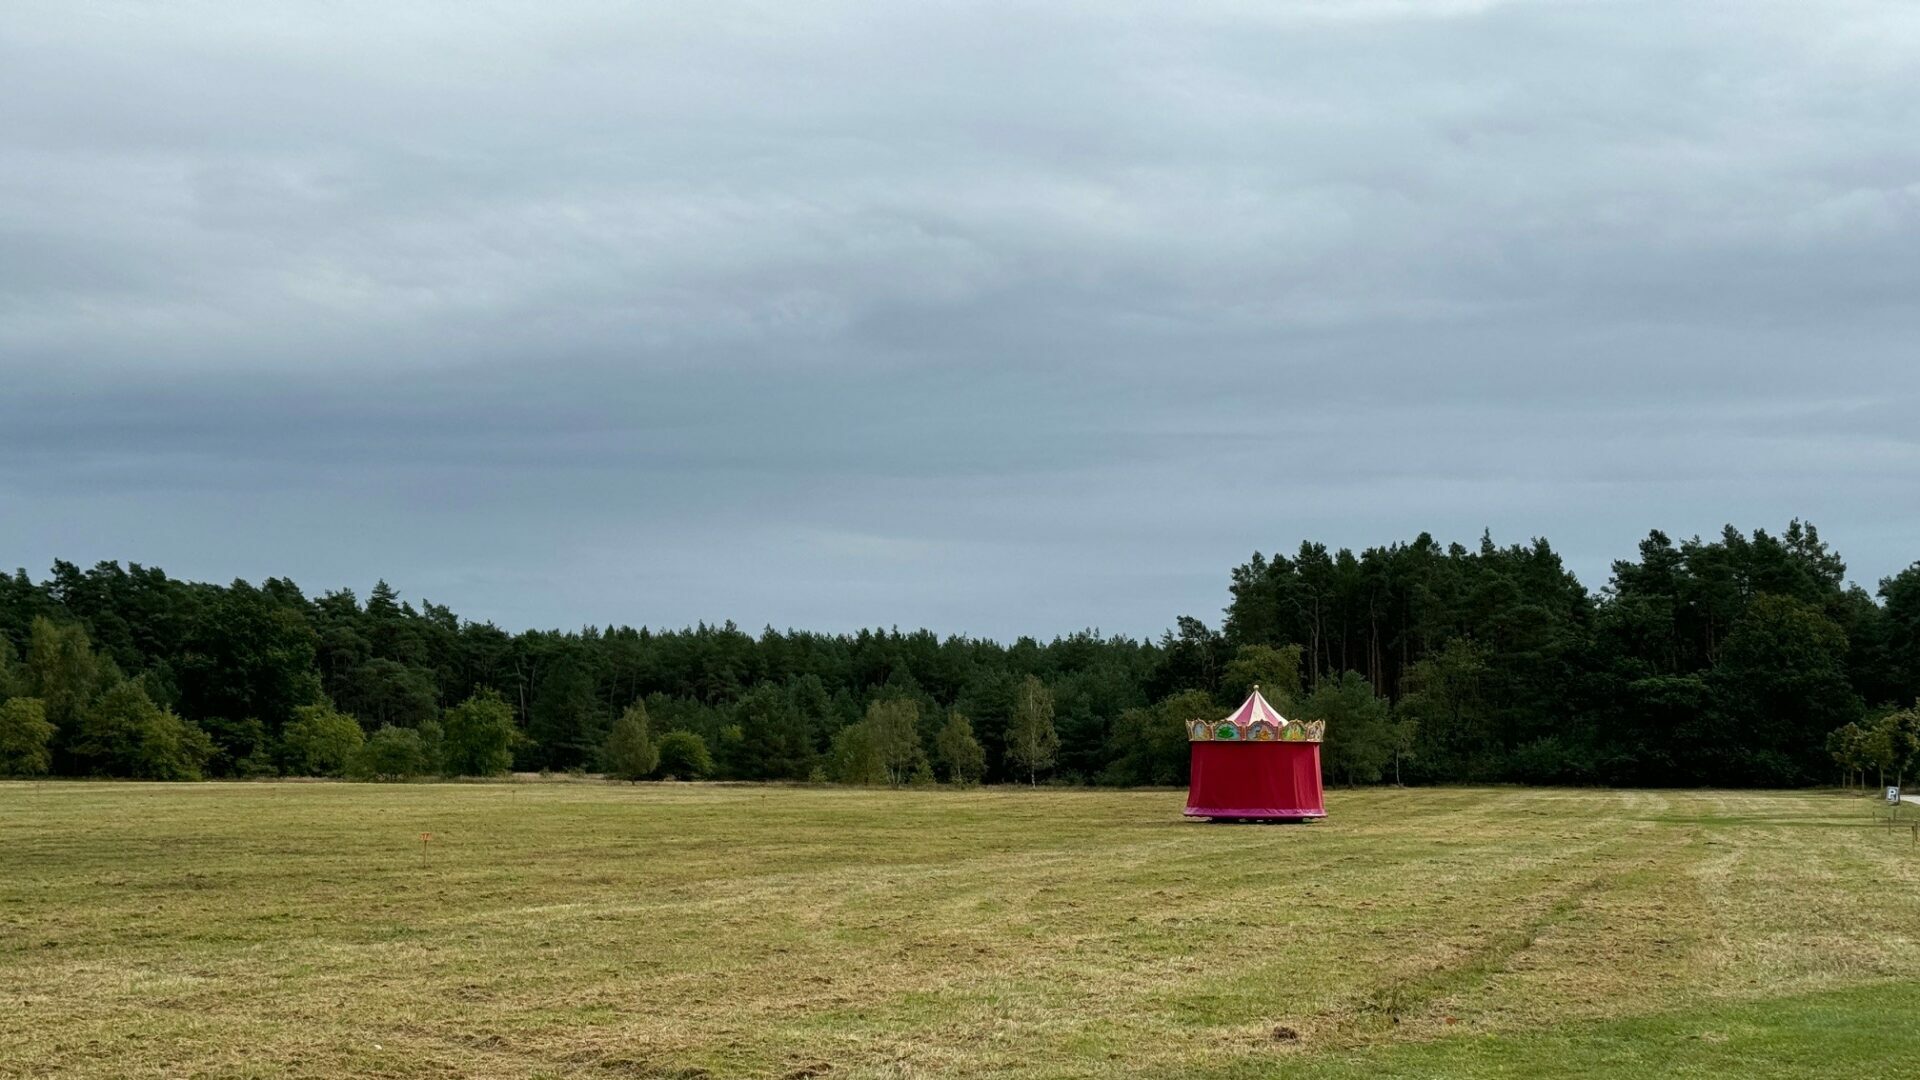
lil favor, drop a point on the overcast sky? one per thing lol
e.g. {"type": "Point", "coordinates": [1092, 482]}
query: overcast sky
{"type": "Point", "coordinates": [995, 318]}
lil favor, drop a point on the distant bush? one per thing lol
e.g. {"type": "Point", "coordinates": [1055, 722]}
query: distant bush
{"type": "Point", "coordinates": [1150, 743]}
{"type": "Point", "coordinates": [391, 754]}
{"type": "Point", "coordinates": [240, 747]}
{"type": "Point", "coordinates": [683, 755]}
{"type": "Point", "coordinates": [478, 739]}
{"type": "Point", "coordinates": [125, 734]}
{"type": "Point", "coordinates": [319, 741]}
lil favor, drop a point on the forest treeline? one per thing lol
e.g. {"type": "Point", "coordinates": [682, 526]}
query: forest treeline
{"type": "Point", "coordinates": [1741, 660]}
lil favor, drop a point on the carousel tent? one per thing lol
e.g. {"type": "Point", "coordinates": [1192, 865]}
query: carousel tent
{"type": "Point", "coordinates": [1256, 764]}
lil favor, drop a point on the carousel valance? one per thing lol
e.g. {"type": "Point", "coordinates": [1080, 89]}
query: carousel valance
{"type": "Point", "coordinates": [1258, 731]}
{"type": "Point", "coordinates": [1256, 721]}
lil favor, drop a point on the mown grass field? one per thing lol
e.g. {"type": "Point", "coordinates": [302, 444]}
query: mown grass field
{"type": "Point", "coordinates": [599, 930]}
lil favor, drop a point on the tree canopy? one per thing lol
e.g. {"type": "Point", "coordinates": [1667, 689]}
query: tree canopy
{"type": "Point", "coordinates": [1726, 660]}
{"type": "Point", "coordinates": [630, 753]}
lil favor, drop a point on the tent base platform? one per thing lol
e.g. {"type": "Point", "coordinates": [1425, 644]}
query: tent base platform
{"type": "Point", "coordinates": [1210, 814]}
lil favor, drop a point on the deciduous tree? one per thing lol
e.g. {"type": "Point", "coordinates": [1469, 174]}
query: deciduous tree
{"type": "Point", "coordinates": [26, 738]}
{"type": "Point", "coordinates": [123, 733]}
{"type": "Point", "coordinates": [63, 672]}
{"type": "Point", "coordinates": [894, 728]}
{"type": "Point", "coordinates": [630, 753]}
{"type": "Point", "coordinates": [962, 755]}
{"type": "Point", "coordinates": [478, 736]}
{"type": "Point", "coordinates": [320, 741]}
{"type": "Point", "coordinates": [391, 753]}
{"type": "Point", "coordinates": [1032, 741]}
{"type": "Point", "coordinates": [684, 756]}
{"type": "Point", "coordinates": [1359, 736]}
{"type": "Point", "coordinates": [1150, 743]}
{"type": "Point", "coordinates": [1275, 670]}
{"type": "Point", "coordinates": [854, 758]}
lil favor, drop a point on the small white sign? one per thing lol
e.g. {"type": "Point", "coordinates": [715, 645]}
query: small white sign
{"type": "Point", "coordinates": [1893, 795]}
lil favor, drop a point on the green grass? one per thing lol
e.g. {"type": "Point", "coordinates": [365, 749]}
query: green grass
{"type": "Point", "coordinates": [602, 930]}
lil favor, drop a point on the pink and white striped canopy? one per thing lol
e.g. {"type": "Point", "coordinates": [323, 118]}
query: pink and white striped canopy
{"type": "Point", "coordinates": [1256, 707]}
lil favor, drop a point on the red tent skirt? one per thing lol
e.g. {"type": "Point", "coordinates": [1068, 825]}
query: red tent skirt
{"type": "Point", "coordinates": [1256, 780]}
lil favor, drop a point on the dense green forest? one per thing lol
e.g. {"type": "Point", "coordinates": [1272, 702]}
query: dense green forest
{"type": "Point", "coordinates": [1742, 660]}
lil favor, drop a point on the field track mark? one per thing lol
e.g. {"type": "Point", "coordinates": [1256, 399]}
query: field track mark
{"type": "Point", "coordinates": [1423, 1000]}
{"type": "Point", "coordinates": [1383, 1006]}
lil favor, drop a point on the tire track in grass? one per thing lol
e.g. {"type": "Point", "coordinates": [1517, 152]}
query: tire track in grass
{"type": "Point", "coordinates": [1479, 982]}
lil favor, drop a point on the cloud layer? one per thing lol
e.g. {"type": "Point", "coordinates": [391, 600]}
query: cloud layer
{"type": "Point", "coordinates": [987, 317]}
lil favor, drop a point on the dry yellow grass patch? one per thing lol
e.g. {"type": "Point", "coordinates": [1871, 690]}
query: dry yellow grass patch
{"type": "Point", "coordinates": [588, 930]}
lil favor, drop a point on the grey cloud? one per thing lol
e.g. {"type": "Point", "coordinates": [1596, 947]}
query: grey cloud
{"type": "Point", "coordinates": [996, 318]}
